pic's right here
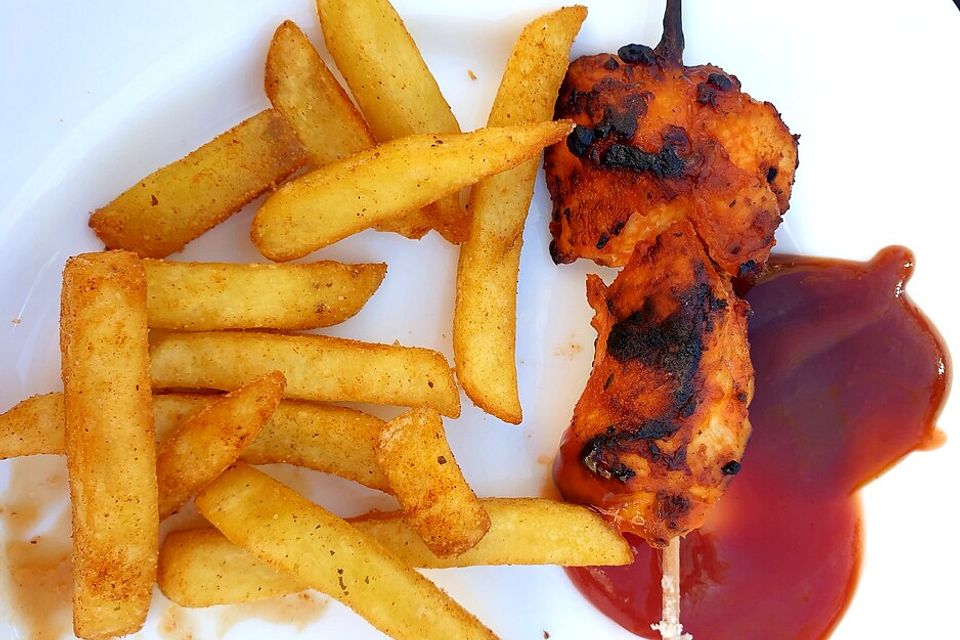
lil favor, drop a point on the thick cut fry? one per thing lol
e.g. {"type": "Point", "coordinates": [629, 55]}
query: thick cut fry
{"type": "Point", "coordinates": [392, 84]}
{"type": "Point", "coordinates": [341, 199]}
{"type": "Point", "coordinates": [195, 296]}
{"type": "Point", "coordinates": [316, 367]}
{"type": "Point", "coordinates": [212, 439]}
{"type": "Point", "coordinates": [175, 204]}
{"type": "Point", "coordinates": [326, 438]}
{"type": "Point", "coordinates": [485, 320]}
{"type": "Point", "coordinates": [111, 454]}
{"type": "Point", "coordinates": [200, 567]}
{"type": "Point", "coordinates": [292, 534]}
{"type": "Point", "coordinates": [301, 87]}
{"type": "Point", "coordinates": [414, 455]}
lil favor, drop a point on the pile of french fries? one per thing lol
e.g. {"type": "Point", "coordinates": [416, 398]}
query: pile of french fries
{"type": "Point", "coordinates": [147, 343]}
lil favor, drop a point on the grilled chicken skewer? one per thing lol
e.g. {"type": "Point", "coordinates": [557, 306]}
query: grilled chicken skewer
{"type": "Point", "coordinates": [662, 424]}
{"type": "Point", "coordinates": [659, 142]}
{"type": "Point", "coordinates": [675, 173]}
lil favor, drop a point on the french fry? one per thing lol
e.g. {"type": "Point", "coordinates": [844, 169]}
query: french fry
{"type": "Point", "coordinates": [336, 201]}
{"type": "Point", "coordinates": [326, 438]}
{"type": "Point", "coordinates": [200, 567]}
{"type": "Point", "coordinates": [437, 502]}
{"type": "Point", "coordinates": [485, 319]}
{"type": "Point", "coordinates": [34, 426]}
{"type": "Point", "coordinates": [317, 368]}
{"type": "Point", "coordinates": [212, 439]}
{"type": "Point", "coordinates": [300, 86]}
{"type": "Point", "coordinates": [392, 84]}
{"type": "Point", "coordinates": [111, 453]}
{"type": "Point", "coordinates": [291, 534]}
{"type": "Point", "coordinates": [176, 204]}
{"type": "Point", "coordinates": [195, 296]}
{"type": "Point", "coordinates": [522, 531]}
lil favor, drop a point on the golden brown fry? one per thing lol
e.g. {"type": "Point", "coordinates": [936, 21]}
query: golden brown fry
{"type": "Point", "coordinates": [344, 198]}
{"type": "Point", "coordinates": [292, 534]}
{"type": "Point", "coordinates": [485, 320]}
{"type": "Point", "coordinates": [332, 439]}
{"type": "Point", "coordinates": [33, 427]}
{"type": "Point", "coordinates": [522, 531]}
{"type": "Point", "coordinates": [326, 438]}
{"type": "Point", "coordinates": [200, 567]}
{"type": "Point", "coordinates": [175, 204]}
{"type": "Point", "coordinates": [301, 87]}
{"type": "Point", "coordinates": [322, 437]}
{"type": "Point", "coordinates": [384, 69]}
{"type": "Point", "coordinates": [393, 86]}
{"type": "Point", "coordinates": [316, 367]}
{"type": "Point", "coordinates": [437, 502]}
{"type": "Point", "coordinates": [110, 446]}
{"type": "Point", "coordinates": [197, 296]}
{"type": "Point", "coordinates": [213, 438]}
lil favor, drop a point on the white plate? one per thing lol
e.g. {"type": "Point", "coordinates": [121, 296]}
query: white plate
{"type": "Point", "coordinates": [97, 94]}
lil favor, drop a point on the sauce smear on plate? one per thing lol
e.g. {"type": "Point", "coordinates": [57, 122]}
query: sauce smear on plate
{"type": "Point", "coordinates": [850, 377]}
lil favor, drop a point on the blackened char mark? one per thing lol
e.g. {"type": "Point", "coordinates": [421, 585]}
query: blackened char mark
{"type": "Point", "coordinates": [732, 468]}
{"type": "Point", "coordinates": [579, 140]}
{"type": "Point", "coordinates": [721, 81]}
{"type": "Point", "coordinates": [557, 256]}
{"type": "Point", "coordinates": [602, 453]}
{"type": "Point", "coordinates": [637, 54]}
{"type": "Point", "coordinates": [601, 456]}
{"type": "Point", "coordinates": [748, 268]}
{"type": "Point", "coordinates": [672, 507]}
{"type": "Point", "coordinates": [673, 344]}
{"type": "Point", "coordinates": [576, 102]}
{"type": "Point", "coordinates": [621, 123]}
{"type": "Point", "coordinates": [715, 84]}
{"type": "Point", "coordinates": [678, 461]}
{"type": "Point", "coordinates": [663, 164]}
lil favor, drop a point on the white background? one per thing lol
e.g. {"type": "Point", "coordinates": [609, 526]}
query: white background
{"type": "Point", "coordinates": [94, 95]}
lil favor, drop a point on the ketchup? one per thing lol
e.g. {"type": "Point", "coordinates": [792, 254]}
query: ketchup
{"type": "Point", "coordinates": [850, 377]}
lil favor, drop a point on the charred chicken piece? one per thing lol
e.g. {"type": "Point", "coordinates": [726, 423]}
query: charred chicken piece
{"type": "Point", "coordinates": [658, 142]}
{"type": "Point", "coordinates": [662, 423]}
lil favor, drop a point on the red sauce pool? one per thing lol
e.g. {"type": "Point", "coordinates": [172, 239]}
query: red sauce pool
{"type": "Point", "coordinates": [850, 377]}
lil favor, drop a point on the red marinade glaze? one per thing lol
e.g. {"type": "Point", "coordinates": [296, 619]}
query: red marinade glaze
{"type": "Point", "coordinates": [850, 377]}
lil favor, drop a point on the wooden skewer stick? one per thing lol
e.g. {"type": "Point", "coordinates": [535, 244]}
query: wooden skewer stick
{"type": "Point", "coordinates": [669, 625]}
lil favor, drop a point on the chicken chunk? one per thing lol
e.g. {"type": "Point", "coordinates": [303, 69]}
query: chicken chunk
{"type": "Point", "coordinates": [658, 142]}
{"type": "Point", "coordinates": [662, 424]}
